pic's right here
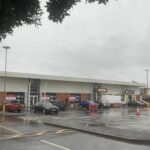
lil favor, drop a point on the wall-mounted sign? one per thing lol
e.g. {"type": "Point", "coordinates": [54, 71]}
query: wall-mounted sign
{"type": "Point", "coordinates": [72, 99]}
{"type": "Point", "coordinates": [101, 90]}
{"type": "Point", "coordinates": [11, 97]}
{"type": "Point", "coordinates": [45, 98]}
{"type": "Point", "coordinates": [129, 91]}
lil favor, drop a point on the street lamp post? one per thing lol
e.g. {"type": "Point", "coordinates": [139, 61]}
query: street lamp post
{"type": "Point", "coordinates": [147, 80]}
{"type": "Point", "coordinates": [6, 49]}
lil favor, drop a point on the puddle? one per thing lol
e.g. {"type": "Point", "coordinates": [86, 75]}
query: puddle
{"type": "Point", "coordinates": [95, 124]}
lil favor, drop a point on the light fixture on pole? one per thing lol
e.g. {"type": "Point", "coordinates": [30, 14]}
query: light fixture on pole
{"type": "Point", "coordinates": [6, 49]}
{"type": "Point", "coordinates": [147, 70]}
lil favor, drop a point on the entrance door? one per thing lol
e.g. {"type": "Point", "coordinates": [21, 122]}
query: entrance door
{"type": "Point", "coordinates": [33, 100]}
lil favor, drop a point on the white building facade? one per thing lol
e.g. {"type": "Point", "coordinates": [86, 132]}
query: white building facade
{"type": "Point", "coordinates": [31, 88]}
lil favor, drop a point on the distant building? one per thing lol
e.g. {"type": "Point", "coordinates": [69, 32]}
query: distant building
{"type": "Point", "coordinates": [31, 88]}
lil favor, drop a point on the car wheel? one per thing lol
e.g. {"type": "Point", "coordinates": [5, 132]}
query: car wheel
{"type": "Point", "coordinates": [56, 112]}
{"type": "Point", "coordinates": [19, 111]}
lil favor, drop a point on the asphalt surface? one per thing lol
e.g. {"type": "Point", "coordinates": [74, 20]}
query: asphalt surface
{"type": "Point", "coordinates": [122, 124]}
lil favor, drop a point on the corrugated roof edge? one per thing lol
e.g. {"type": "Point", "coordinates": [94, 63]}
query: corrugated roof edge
{"type": "Point", "coordinates": [67, 78]}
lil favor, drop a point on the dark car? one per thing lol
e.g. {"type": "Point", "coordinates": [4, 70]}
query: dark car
{"type": "Point", "coordinates": [134, 103]}
{"type": "Point", "coordinates": [13, 106]}
{"type": "Point", "coordinates": [145, 103]}
{"type": "Point", "coordinates": [45, 108]}
{"type": "Point", "coordinates": [60, 104]}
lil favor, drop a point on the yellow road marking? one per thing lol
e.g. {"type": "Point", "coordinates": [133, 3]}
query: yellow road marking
{"type": "Point", "coordinates": [60, 131]}
{"type": "Point", "coordinates": [42, 132]}
{"type": "Point", "coordinates": [17, 135]}
{"type": "Point", "coordinates": [22, 135]}
{"type": "Point", "coordinates": [11, 137]}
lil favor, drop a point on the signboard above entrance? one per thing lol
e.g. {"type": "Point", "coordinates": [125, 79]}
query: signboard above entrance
{"type": "Point", "coordinates": [129, 91]}
{"type": "Point", "coordinates": [102, 90]}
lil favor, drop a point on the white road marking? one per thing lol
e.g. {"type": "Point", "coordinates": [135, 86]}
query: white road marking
{"type": "Point", "coordinates": [53, 144]}
{"type": "Point", "coordinates": [10, 129]}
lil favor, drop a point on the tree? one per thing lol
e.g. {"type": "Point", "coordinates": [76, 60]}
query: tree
{"type": "Point", "coordinates": [15, 13]}
{"type": "Point", "coordinates": [59, 9]}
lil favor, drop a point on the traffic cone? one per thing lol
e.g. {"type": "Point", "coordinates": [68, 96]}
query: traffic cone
{"type": "Point", "coordinates": [138, 111]}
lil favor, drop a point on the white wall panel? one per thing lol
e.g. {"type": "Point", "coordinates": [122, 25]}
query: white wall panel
{"type": "Point", "coordinates": [68, 87]}
{"type": "Point", "coordinates": [119, 89]}
{"type": "Point", "coordinates": [14, 84]}
{"type": "Point", "coordinates": [20, 85]}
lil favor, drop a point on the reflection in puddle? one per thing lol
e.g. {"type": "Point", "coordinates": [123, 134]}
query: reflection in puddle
{"type": "Point", "coordinates": [14, 120]}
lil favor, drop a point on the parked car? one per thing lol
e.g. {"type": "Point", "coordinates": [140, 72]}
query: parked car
{"type": "Point", "coordinates": [86, 104]}
{"type": "Point", "coordinates": [45, 108]}
{"type": "Point", "coordinates": [145, 102]}
{"type": "Point", "coordinates": [60, 104]}
{"type": "Point", "coordinates": [134, 103]}
{"type": "Point", "coordinates": [13, 106]}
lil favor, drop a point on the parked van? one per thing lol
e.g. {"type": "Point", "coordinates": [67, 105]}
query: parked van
{"type": "Point", "coordinates": [113, 100]}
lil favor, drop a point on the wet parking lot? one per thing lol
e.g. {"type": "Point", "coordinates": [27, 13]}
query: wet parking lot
{"type": "Point", "coordinates": [122, 118]}
{"type": "Point", "coordinates": [26, 132]}
{"type": "Point", "coordinates": [127, 118]}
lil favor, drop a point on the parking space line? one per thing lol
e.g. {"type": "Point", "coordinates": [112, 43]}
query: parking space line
{"type": "Point", "coordinates": [10, 129]}
{"type": "Point", "coordinates": [53, 144]}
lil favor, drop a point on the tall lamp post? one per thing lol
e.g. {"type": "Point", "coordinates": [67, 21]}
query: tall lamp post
{"type": "Point", "coordinates": [147, 80]}
{"type": "Point", "coordinates": [6, 49]}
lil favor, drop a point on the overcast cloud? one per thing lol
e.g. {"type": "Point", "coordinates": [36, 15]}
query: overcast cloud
{"type": "Point", "coordinates": [107, 42]}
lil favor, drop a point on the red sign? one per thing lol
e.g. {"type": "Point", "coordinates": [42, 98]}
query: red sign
{"type": "Point", "coordinates": [11, 97]}
{"type": "Point", "coordinates": [72, 98]}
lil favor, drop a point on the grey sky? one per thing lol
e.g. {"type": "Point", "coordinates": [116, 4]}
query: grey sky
{"type": "Point", "coordinates": [107, 42]}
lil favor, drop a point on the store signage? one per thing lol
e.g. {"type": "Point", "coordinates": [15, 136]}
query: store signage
{"type": "Point", "coordinates": [102, 90]}
{"type": "Point", "coordinates": [129, 91]}
{"type": "Point", "coordinates": [10, 97]}
{"type": "Point", "coordinates": [45, 98]}
{"type": "Point", "coordinates": [72, 99]}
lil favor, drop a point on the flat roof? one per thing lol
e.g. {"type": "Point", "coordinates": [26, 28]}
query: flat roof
{"type": "Point", "coordinates": [69, 79]}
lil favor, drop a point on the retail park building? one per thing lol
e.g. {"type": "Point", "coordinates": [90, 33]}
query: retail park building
{"type": "Point", "coordinates": [30, 88]}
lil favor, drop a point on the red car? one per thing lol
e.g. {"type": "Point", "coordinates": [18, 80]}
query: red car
{"type": "Point", "coordinates": [13, 105]}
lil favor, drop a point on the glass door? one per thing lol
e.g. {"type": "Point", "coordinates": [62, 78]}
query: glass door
{"type": "Point", "coordinates": [33, 100]}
